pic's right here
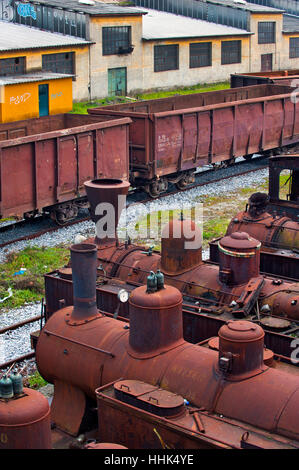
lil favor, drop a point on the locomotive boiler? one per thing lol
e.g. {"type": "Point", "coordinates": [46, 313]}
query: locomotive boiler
{"type": "Point", "coordinates": [80, 349]}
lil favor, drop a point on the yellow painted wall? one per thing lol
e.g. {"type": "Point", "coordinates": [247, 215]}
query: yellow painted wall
{"type": "Point", "coordinates": [20, 101]}
{"type": "Point", "coordinates": [33, 60]}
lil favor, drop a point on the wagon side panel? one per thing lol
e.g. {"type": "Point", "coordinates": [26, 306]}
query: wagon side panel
{"type": "Point", "coordinates": [112, 152]}
{"type": "Point", "coordinates": [17, 180]}
{"type": "Point", "coordinates": [67, 183]}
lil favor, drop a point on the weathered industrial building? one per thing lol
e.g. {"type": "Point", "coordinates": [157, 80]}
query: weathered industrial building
{"type": "Point", "coordinates": [100, 49]}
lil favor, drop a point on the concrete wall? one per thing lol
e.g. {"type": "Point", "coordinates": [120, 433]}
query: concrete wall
{"type": "Point", "coordinates": [279, 49]}
{"type": "Point", "coordinates": [286, 62]}
{"type": "Point", "coordinates": [100, 64]}
{"type": "Point", "coordinates": [186, 76]}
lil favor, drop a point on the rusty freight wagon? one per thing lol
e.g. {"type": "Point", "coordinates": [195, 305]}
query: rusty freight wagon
{"type": "Point", "coordinates": [44, 162]}
{"type": "Point", "coordinates": [279, 77]}
{"type": "Point", "coordinates": [171, 137]}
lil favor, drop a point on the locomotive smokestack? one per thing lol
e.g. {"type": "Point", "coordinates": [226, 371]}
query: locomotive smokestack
{"type": "Point", "coordinates": [257, 204]}
{"type": "Point", "coordinates": [84, 274]}
{"type": "Point", "coordinates": [107, 198]}
{"type": "Point", "coordinates": [181, 247]}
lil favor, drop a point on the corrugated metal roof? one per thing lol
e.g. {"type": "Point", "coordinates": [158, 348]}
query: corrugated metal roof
{"type": "Point", "coordinates": [162, 25]}
{"type": "Point", "coordinates": [243, 5]}
{"type": "Point", "coordinates": [97, 9]}
{"type": "Point", "coordinates": [32, 77]}
{"type": "Point", "coordinates": [16, 37]}
{"type": "Point", "coordinates": [290, 24]}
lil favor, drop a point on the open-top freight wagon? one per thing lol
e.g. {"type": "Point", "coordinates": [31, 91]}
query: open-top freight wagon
{"type": "Point", "coordinates": [280, 77]}
{"type": "Point", "coordinates": [44, 162]}
{"type": "Point", "coordinates": [171, 137]}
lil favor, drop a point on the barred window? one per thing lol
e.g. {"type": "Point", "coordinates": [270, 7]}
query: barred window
{"type": "Point", "coordinates": [266, 32]}
{"type": "Point", "coordinates": [59, 63]}
{"type": "Point", "coordinates": [116, 40]}
{"type": "Point", "coordinates": [166, 57]}
{"type": "Point", "coordinates": [200, 54]}
{"type": "Point", "coordinates": [230, 52]}
{"type": "Point", "coordinates": [294, 48]}
{"type": "Point", "coordinates": [13, 66]}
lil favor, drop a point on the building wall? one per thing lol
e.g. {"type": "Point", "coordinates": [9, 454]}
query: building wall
{"type": "Point", "coordinates": [287, 62]}
{"type": "Point", "coordinates": [20, 101]}
{"type": "Point", "coordinates": [100, 64]}
{"type": "Point", "coordinates": [34, 64]}
{"type": "Point", "coordinates": [280, 54]}
{"type": "Point", "coordinates": [186, 76]}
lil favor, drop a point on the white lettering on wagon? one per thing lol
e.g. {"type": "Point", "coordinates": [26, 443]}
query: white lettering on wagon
{"type": "Point", "coordinates": [172, 141]}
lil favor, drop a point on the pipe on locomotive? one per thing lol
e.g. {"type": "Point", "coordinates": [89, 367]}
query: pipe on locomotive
{"type": "Point", "coordinates": [78, 357]}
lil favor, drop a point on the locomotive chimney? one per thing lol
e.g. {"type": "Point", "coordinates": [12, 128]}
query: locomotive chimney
{"type": "Point", "coordinates": [257, 204]}
{"type": "Point", "coordinates": [107, 198]}
{"type": "Point", "coordinates": [84, 275]}
{"type": "Point", "coordinates": [156, 323]}
{"type": "Point", "coordinates": [181, 247]}
{"type": "Point", "coordinates": [239, 258]}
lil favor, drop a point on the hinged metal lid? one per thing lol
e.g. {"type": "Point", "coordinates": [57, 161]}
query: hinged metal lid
{"type": "Point", "coordinates": [149, 397]}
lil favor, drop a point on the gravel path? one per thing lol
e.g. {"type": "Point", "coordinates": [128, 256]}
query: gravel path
{"type": "Point", "coordinates": [17, 343]}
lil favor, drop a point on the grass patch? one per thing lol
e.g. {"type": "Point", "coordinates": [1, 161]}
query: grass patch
{"type": "Point", "coordinates": [215, 228]}
{"type": "Point", "coordinates": [81, 107]}
{"type": "Point", "coordinates": [35, 381]}
{"type": "Point", "coordinates": [6, 219]}
{"type": "Point", "coordinates": [184, 91]}
{"type": "Point", "coordinates": [29, 287]}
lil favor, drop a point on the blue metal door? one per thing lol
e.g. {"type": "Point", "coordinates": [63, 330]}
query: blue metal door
{"type": "Point", "coordinates": [117, 81]}
{"type": "Point", "coordinates": [43, 99]}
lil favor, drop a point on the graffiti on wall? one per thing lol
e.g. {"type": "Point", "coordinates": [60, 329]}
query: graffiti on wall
{"type": "Point", "coordinates": [19, 99]}
{"type": "Point", "coordinates": [25, 9]}
{"type": "Point", "coordinates": [6, 10]}
{"type": "Point", "coordinates": [56, 95]}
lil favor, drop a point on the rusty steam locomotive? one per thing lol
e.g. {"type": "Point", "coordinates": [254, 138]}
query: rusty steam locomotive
{"type": "Point", "coordinates": [147, 375]}
{"type": "Point", "coordinates": [212, 293]}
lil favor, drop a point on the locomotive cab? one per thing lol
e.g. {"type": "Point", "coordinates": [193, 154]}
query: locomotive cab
{"type": "Point", "coordinates": [279, 201]}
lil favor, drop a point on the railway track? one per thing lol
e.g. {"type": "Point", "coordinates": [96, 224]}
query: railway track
{"type": "Point", "coordinates": [33, 228]}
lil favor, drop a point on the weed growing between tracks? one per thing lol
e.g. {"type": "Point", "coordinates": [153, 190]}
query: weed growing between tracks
{"type": "Point", "coordinates": [29, 286]}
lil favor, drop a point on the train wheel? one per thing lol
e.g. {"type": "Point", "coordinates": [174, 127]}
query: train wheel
{"type": "Point", "coordinates": [187, 179]}
{"type": "Point", "coordinates": [182, 183]}
{"type": "Point", "coordinates": [30, 215]}
{"type": "Point", "coordinates": [157, 187]}
{"type": "Point", "coordinates": [154, 190]}
{"type": "Point", "coordinates": [64, 213]}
